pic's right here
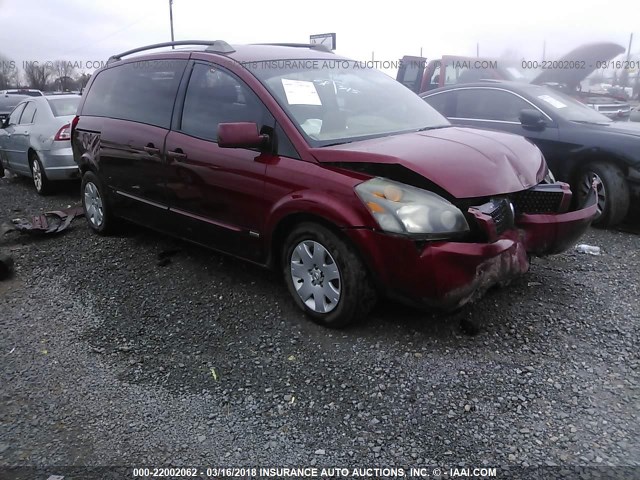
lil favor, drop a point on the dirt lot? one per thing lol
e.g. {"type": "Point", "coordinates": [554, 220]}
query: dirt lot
{"type": "Point", "coordinates": [112, 357]}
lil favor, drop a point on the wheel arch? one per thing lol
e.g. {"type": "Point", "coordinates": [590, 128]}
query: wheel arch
{"type": "Point", "coordinates": [581, 160]}
{"type": "Point", "coordinates": [287, 223]}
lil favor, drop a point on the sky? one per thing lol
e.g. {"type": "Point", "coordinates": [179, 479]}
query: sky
{"type": "Point", "coordinates": [87, 32]}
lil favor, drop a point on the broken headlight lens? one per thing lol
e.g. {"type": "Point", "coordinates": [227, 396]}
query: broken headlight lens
{"type": "Point", "coordinates": [400, 208]}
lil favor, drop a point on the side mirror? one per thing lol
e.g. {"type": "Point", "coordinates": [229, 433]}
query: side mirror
{"type": "Point", "coordinates": [533, 119]}
{"type": "Point", "coordinates": [4, 123]}
{"type": "Point", "coordinates": [240, 135]}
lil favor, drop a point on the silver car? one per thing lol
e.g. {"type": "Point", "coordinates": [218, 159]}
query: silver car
{"type": "Point", "coordinates": [35, 140]}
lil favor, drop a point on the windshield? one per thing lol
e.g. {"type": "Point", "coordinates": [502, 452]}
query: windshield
{"type": "Point", "coordinates": [63, 106]}
{"type": "Point", "coordinates": [333, 102]}
{"type": "Point", "coordinates": [569, 108]}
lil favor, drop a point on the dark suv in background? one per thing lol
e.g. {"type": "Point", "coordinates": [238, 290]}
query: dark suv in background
{"type": "Point", "coordinates": [338, 176]}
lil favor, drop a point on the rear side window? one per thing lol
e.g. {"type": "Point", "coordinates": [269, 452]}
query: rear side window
{"type": "Point", "coordinates": [139, 91]}
{"type": "Point", "coordinates": [28, 114]}
{"type": "Point", "coordinates": [61, 107]}
{"type": "Point", "coordinates": [445, 103]}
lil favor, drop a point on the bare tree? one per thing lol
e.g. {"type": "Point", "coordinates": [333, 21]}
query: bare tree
{"type": "Point", "coordinates": [83, 79]}
{"type": "Point", "coordinates": [63, 71]}
{"type": "Point", "coordinates": [9, 75]}
{"type": "Point", "coordinates": [36, 75]}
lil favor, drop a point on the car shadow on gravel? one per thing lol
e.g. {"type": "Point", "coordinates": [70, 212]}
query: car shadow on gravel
{"type": "Point", "coordinates": [63, 188]}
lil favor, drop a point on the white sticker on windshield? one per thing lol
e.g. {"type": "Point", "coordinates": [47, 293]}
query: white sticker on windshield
{"type": "Point", "coordinates": [300, 92]}
{"type": "Point", "coordinates": [552, 101]}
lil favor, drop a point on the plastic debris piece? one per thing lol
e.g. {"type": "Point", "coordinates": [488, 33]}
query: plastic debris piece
{"type": "Point", "coordinates": [589, 249]}
{"type": "Point", "coordinates": [49, 222]}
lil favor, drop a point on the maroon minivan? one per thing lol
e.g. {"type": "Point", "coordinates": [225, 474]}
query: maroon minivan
{"type": "Point", "coordinates": [294, 158]}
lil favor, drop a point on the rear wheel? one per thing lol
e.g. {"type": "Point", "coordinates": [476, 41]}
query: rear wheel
{"type": "Point", "coordinates": [326, 277]}
{"type": "Point", "coordinates": [612, 189]}
{"type": "Point", "coordinates": [40, 180]}
{"type": "Point", "coordinates": [94, 201]}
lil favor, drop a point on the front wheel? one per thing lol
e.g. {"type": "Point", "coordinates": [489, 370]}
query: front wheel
{"type": "Point", "coordinates": [612, 190]}
{"type": "Point", "coordinates": [326, 277]}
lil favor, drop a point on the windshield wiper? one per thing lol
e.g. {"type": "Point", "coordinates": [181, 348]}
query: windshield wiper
{"type": "Point", "coordinates": [337, 143]}
{"type": "Point", "coordinates": [424, 129]}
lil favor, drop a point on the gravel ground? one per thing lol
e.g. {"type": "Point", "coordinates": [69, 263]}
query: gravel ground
{"type": "Point", "coordinates": [113, 357]}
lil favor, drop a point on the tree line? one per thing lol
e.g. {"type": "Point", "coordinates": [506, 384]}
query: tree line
{"type": "Point", "coordinates": [59, 75]}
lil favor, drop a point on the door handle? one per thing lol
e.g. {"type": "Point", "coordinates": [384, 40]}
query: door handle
{"type": "Point", "coordinates": [177, 154]}
{"type": "Point", "coordinates": [151, 149]}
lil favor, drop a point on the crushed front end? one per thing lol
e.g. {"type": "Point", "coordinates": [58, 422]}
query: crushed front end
{"type": "Point", "coordinates": [504, 231]}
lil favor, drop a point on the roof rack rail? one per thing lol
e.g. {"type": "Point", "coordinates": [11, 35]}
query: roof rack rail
{"type": "Point", "coordinates": [217, 46]}
{"type": "Point", "coordinates": [314, 46]}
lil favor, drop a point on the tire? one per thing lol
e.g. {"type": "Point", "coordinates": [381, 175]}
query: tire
{"type": "Point", "coordinates": [613, 192]}
{"type": "Point", "coordinates": [39, 176]}
{"type": "Point", "coordinates": [326, 277]}
{"type": "Point", "coordinates": [96, 205]}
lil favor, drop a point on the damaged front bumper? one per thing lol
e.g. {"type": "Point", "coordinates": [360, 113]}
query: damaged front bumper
{"type": "Point", "coordinates": [448, 275]}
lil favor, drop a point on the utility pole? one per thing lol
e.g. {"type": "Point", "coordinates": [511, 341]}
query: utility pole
{"type": "Point", "coordinates": [478, 49]}
{"type": "Point", "coordinates": [544, 50]}
{"type": "Point", "coordinates": [171, 20]}
{"type": "Point", "coordinates": [625, 72]}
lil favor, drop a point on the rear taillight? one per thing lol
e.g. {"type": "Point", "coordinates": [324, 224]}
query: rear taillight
{"type": "Point", "coordinates": [64, 133]}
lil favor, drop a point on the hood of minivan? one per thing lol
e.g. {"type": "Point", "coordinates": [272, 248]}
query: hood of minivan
{"type": "Point", "coordinates": [465, 162]}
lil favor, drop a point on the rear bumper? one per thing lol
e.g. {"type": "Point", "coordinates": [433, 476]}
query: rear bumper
{"type": "Point", "coordinates": [59, 164]}
{"type": "Point", "coordinates": [450, 274]}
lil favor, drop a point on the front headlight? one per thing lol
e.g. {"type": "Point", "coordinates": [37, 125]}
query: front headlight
{"type": "Point", "coordinates": [400, 208]}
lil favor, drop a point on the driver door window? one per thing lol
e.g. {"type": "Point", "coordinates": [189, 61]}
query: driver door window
{"type": "Point", "coordinates": [215, 96]}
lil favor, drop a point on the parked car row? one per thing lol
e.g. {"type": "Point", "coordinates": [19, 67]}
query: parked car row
{"type": "Point", "coordinates": [340, 178]}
